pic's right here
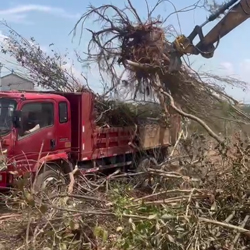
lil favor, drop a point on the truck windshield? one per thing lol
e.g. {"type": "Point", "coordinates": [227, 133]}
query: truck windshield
{"type": "Point", "coordinates": [7, 106]}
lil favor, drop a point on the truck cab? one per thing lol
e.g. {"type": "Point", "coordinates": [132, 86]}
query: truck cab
{"type": "Point", "coordinates": [32, 125]}
{"type": "Point", "coordinates": [46, 133]}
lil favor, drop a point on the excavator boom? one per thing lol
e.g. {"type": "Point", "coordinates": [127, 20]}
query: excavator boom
{"type": "Point", "coordinates": [236, 15]}
{"type": "Point", "coordinates": [238, 12]}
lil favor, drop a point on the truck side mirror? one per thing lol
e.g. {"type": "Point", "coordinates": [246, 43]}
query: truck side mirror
{"type": "Point", "coordinates": [17, 118]}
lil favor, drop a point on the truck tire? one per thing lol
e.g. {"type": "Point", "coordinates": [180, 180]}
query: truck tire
{"type": "Point", "coordinates": [144, 180]}
{"type": "Point", "coordinates": [50, 177]}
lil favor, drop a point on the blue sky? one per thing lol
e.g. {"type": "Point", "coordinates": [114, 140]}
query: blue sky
{"type": "Point", "coordinates": [51, 21]}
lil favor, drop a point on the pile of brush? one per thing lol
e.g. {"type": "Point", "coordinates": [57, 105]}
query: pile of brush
{"type": "Point", "coordinates": [119, 114]}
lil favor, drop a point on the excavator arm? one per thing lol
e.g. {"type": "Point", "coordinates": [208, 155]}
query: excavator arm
{"type": "Point", "coordinates": [238, 12]}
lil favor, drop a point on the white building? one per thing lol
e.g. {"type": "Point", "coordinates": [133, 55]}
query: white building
{"type": "Point", "coordinates": [15, 82]}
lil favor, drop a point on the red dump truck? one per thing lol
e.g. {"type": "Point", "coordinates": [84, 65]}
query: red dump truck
{"type": "Point", "coordinates": [41, 129]}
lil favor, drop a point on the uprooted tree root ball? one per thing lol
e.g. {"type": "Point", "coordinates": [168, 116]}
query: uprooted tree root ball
{"type": "Point", "coordinates": [142, 49]}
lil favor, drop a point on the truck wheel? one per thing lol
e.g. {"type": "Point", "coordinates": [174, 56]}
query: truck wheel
{"type": "Point", "coordinates": [144, 179]}
{"type": "Point", "coordinates": [50, 180]}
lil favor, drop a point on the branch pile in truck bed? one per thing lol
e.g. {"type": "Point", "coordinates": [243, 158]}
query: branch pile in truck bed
{"type": "Point", "coordinates": [116, 113]}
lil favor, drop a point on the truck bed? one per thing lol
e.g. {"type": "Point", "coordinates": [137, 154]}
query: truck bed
{"type": "Point", "coordinates": [92, 142]}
